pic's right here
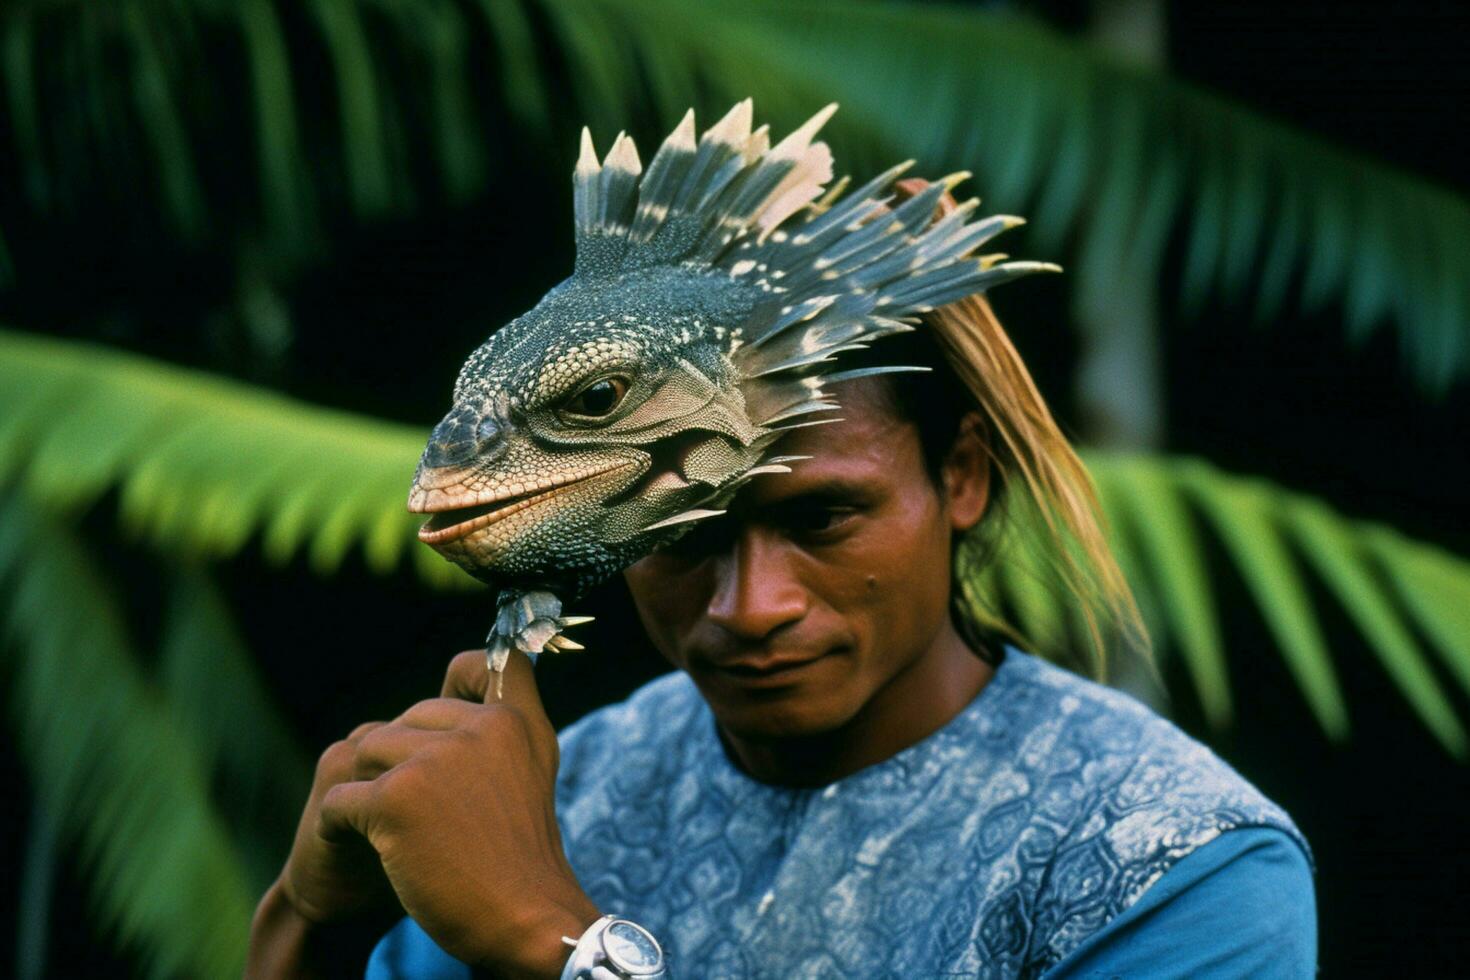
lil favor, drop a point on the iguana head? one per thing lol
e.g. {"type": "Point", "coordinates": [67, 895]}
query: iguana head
{"type": "Point", "coordinates": [579, 427]}
{"type": "Point", "coordinates": [709, 303]}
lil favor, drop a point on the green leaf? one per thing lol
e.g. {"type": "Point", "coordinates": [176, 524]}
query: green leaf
{"type": "Point", "coordinates": [364, 147]}
{"type": "Point", "coordinates": [1339, 556]}
{"type": "Point", "coordinates": [153, 94]}
{"type": "Point", "coordinates": [122, 782]}
{"type": "Point", "coordinates": [1431, 583]}
{"type": "Point", "coordinates": [1030, 589]}
{"type": "Point", "coordinates": [203, 463]}
{"type": "Point", "coordinates": [1261, 525]}
{"type": "Point", "coordinates": [215, 692]}
{"type": "Point", "coordinates": [17, 55]}
{"type": "Point", "coordinates": [1153, 514]}
{"type": "Point", "coordinates": [519, 73]}
{"type": "Point", "coordinates": [288, 206]}
{"type": "Point", "coordinates": [1047, 123]}
{"type": "Point", "coordinates": [986, 91]}
{"type": "Point", "coordinates": [37, 882]}
{"type": "Point", "coordinates": [1240, 512]}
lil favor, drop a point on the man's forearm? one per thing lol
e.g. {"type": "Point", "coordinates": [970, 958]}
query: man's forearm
{"type": "Point", "coordinates": [284, 943]}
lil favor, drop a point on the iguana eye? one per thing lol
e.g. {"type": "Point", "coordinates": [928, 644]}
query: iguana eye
{"type": "Point", "coordinates": [599, 398]}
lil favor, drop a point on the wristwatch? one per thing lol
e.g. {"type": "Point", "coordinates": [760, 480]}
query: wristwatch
{"type": "Point", "coordinates": [614, 949]}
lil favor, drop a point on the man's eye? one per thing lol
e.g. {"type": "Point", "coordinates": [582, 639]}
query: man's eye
{"type": "Point", "coordinates": [599, 398]}
{"type": "Point", "coordinates": [815, 520]}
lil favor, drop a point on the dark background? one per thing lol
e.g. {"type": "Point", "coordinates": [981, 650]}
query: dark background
{"type": "Point", "coordinates": [1385, 813]}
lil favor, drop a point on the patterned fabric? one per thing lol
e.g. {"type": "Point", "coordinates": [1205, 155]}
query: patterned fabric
{"type": "Point", "coordinates": [992, 848]}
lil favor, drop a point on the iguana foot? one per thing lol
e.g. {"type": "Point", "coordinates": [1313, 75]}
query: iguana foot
{"type": "Point", "coordinates": [530, 622]}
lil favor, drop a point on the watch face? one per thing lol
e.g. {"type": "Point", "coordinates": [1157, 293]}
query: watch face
{"type": "Point", "coordinates": [630, 948]}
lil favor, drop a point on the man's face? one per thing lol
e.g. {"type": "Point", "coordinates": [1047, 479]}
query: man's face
{"type": "Point", "coordinates": [819, 586]}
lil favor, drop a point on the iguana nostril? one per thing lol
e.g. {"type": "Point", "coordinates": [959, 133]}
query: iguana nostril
{"type": "Point", "coordinates": [452, 442]}
{"type": "Point", "coordinates": [487, 432]}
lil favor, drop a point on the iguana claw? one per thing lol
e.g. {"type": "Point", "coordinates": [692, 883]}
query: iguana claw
{"type": "Point", "coordinates": [530, 622]}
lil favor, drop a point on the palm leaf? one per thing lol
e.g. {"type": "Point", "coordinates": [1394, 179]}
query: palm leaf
{"type": "Point", "coordinates": [202, 463]}
{"type": "Point", "coordinates": [1109, 157]}
{"type": "Point", "coordinates": [1242, 514]}
{"type": "Point", "coordinates": [1429, 582]}
{"type": "Point", "coordinates": [118, 781]}
{"type": "Point", "coordinates": [1269, 532]}
{"type": "Point", "coordinates": [1341, 561]}
{"type": "Point", "coordinates": [37, 881]}
{"type": "Point", "coordinates": [214, 692]}
{"type": "Point", "coordinates": [205, 465]}
{"type": "Point", "coordinates": [1149, 511]}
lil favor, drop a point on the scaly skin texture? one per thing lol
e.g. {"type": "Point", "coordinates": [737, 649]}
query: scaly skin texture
{"type": "Point", "coordinates": [709, 305]}
{"type": "Point", "coordinates": [585, 491]}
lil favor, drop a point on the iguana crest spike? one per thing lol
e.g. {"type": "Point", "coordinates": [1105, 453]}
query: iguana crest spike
{"type": "Point", "coordinates": [713, 296]}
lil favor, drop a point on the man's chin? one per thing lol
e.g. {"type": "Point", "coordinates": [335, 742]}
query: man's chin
{"type": "Point", "coordinates": [776, 715]}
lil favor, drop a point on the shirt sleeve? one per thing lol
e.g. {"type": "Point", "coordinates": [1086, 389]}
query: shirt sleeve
{"type": "Point", "coordinates": [1241, 906]}
{"type": "Point", "coordinates": [407, 953]}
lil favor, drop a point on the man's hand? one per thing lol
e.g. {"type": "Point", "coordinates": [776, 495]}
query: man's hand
{"type": "Point", "coordinates": [335, 880]}
{"type": "Point", "coordinates": [332, 902]}
{"type": "Point", "coordinates": [456, 796]}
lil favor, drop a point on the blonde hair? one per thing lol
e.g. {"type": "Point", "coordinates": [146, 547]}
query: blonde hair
{"type": "Point", "coordinates": [1037, 570]}
{"type": "Point", "coordinates": [1049, 533]}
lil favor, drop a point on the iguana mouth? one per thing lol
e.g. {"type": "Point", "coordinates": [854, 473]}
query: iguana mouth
{"type": "Point", "coordinates": [449, 521]}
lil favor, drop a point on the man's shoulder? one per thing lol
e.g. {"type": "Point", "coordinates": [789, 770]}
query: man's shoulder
{"type": "Point", "coordinates": [1064, 723]}
{"type": "Point", "coordinates": [1114, 797]}
{"type": "Point", "coordinates": [1130, 769]}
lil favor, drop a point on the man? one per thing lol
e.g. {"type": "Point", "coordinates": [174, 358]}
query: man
{"type": "Point", "coordinates": [839, 779]}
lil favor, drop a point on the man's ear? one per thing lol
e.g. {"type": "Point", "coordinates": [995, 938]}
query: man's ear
{"type": "Point", "coordinates": [966, 473]}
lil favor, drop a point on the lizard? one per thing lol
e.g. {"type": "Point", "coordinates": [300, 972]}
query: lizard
{"type": "Point", "coordinates": [710, 300]}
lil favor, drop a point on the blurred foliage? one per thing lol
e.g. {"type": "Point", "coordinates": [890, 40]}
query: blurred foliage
{"type": "Point", "coordinates": [143, 134]}
{"type": "Point", "coordinates": [123, 762]}
{"type": "Point", "coordinates": [159, 113]}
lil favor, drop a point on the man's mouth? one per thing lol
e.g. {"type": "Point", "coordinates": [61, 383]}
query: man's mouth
{"type": "Point", "coordinates": [453, 519]}
{"type": "Point", "coordinates": [763, 670]}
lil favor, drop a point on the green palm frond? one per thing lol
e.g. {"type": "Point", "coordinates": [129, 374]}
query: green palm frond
{"type": "Point", "coordinates": [1280, 543]}
{"type": "Point", "coordinates": [206, 464]}
{"type": "Point", "coordinates": [1110, 158]}
{"type": "Point", "coordinates": [202, 463]}
{"type": "Point", "coordinates": [118, 780]}
{"type": "Point", "coordinates": [36, 883]}
{"type": "Point", "coordinates": [215, 693]}
{"type": "Point", "coordinates": [1113, 157]}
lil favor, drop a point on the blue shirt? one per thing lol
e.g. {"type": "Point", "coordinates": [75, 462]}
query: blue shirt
{"type": "Point", "coordinates": [1053, 828]}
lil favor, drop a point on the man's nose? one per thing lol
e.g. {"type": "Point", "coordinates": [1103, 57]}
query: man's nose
{"type": "Point", "coordinates": [756, 590]}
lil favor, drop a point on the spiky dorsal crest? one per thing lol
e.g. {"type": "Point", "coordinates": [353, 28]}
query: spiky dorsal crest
{"type": "Point", "coordinates": [697, 195]}
{"type": "Point", "coordinates": [826, 279]}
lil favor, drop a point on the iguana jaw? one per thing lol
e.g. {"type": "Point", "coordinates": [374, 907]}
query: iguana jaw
{"type": "Point", "coordinates": [456, 517]}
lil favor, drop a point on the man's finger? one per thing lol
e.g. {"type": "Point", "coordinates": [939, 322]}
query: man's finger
{"type": "Point", "coordinates": [344, 813]}
{"type": "Point", "coordinates": [519, 687]}
{"type": "Point", "coordinates": [470, 679]}
{"type": "Point", "coordinates": [386, 747]}
{"type": "Point", "coordinates": [357, 733]}
{"type": "Point", "coordinates": [437, 714]}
